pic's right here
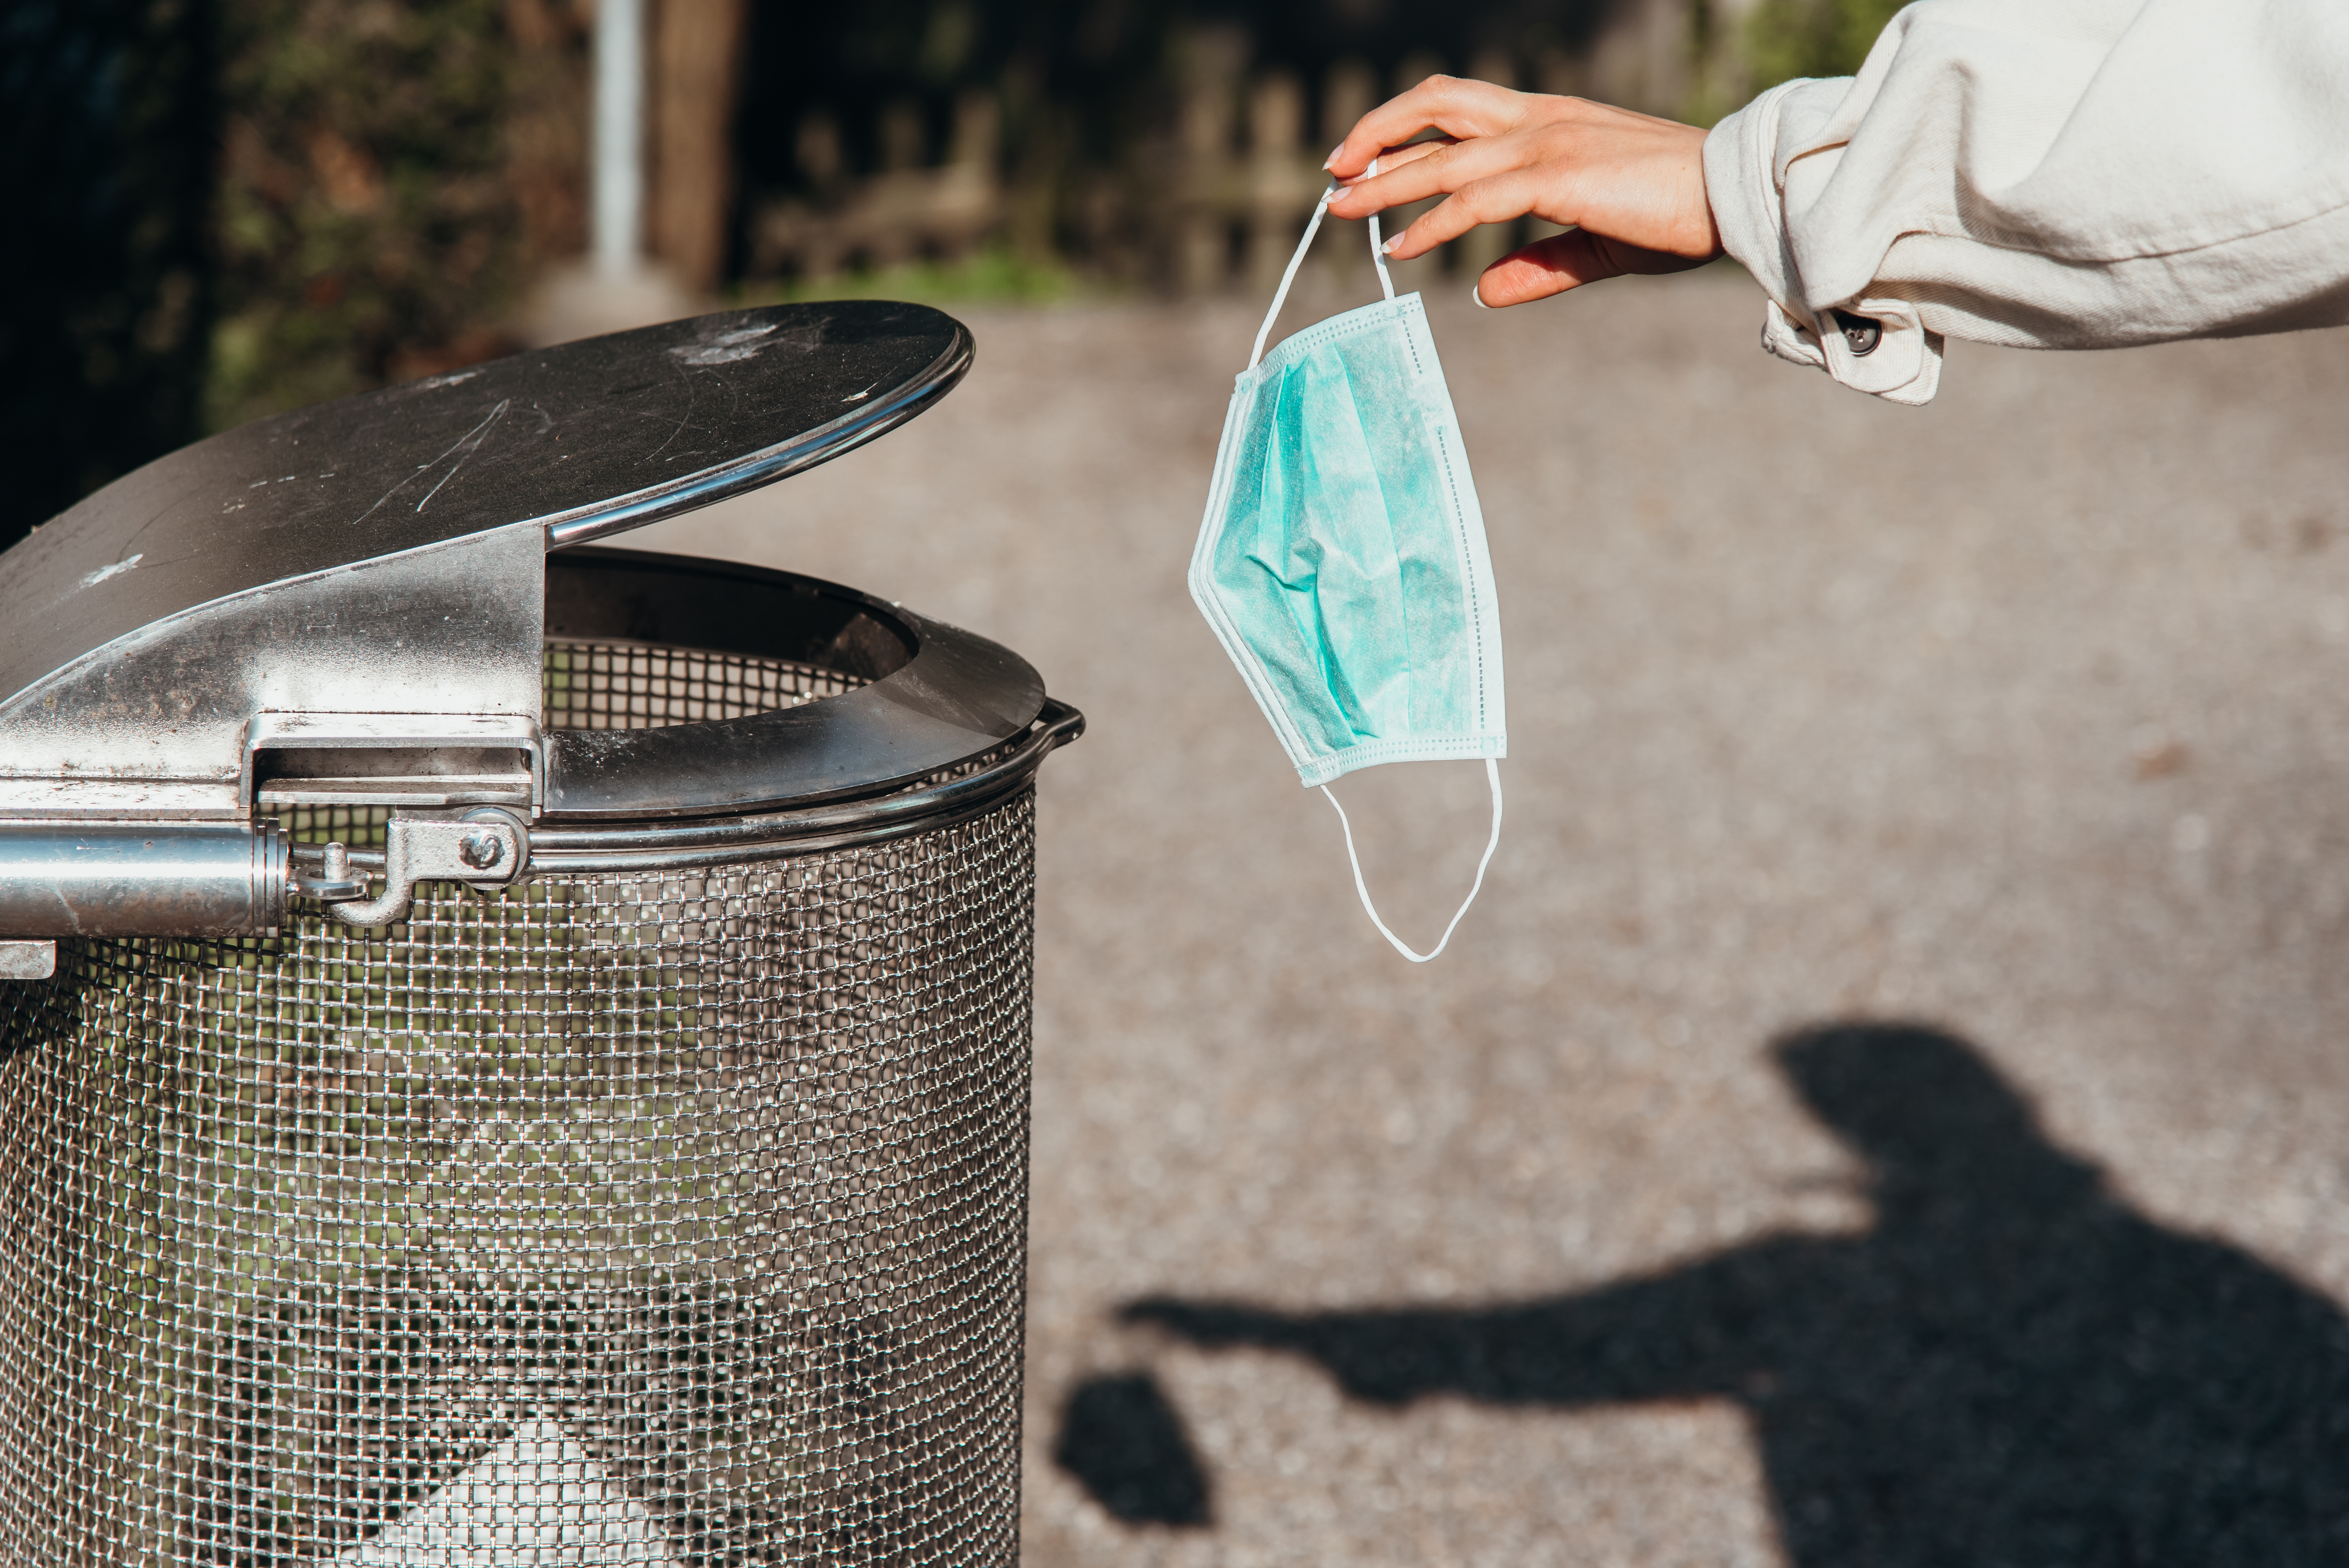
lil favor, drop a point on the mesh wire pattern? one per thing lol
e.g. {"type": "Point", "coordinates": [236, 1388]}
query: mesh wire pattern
{"type": "Point", "coordinates": [665, 1220]}
{"type": "Point", "coordinates": [641, 685]}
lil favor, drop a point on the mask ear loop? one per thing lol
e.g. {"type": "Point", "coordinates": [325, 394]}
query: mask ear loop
{"type": "Point", "coordinates": [1377, 251]}
{"type": "Point", "coordinates": [1492, 777]}
{"type": "Point", "coordinates": [1312, 226]}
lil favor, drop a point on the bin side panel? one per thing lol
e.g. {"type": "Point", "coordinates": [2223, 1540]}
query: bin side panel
{"type": "Point", "coordinates": [662, 1219]}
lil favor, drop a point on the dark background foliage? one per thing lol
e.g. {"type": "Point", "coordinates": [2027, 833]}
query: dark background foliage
{"type": "Point", "coordinates": [107, 117]}
{"type": "Point", "coordinates": [1085, 84]}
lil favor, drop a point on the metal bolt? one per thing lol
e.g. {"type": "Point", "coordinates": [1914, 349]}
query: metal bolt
{"type": "Point", "coordinates": [337, 863]}
{"type": "Point", "coordinates": [481, 848]}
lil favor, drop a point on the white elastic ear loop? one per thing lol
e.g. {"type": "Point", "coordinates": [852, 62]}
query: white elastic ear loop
{"type": "Point", "coordinates": [1379, 252]}
{"type": "Point", "coordinates": [1492, 777]}
{"type": "Point", "coordinates": [1312, 226]}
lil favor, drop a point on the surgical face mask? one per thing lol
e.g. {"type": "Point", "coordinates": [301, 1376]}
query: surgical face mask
{"type": "Point", "coordinates": [1342, 560]}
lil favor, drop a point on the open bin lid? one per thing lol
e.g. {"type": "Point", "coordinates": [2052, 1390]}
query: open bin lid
{"type": "Point", "coordinates": [368, 577]}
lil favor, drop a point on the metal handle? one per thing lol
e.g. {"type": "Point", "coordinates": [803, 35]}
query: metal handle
{"type": "Point", "coordinates": [119, 879]}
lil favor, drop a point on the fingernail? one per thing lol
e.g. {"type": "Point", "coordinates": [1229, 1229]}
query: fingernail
{"type": "Point", "coordinates": [1476, 292]}
{"type": "Point", "coordinates": [1392, 241]}
{"type": "Point", "coordinates": [1333, 155]}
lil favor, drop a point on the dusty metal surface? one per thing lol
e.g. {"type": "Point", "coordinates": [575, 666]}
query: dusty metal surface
{"type": "Point", "coordinates": [660, 1205]}
{"type": "Point", "coordinates": [28, 960]}
{"type": "Point", "coordinates": [577, 440]}
{"type": "Point", "coordinates": [154, 723]}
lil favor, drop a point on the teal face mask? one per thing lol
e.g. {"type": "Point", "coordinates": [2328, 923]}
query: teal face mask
{"type": "Point", "coordinates": [1342, 562]}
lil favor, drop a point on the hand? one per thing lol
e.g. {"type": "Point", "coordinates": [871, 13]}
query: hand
{"type": "Point", "coordinates": [1631, 185]}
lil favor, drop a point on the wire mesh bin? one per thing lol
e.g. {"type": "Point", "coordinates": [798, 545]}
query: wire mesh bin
{"type": "Point", "coordinates": [661, 1202]}
{"type": "Point", "coordinates": [675, 1216]}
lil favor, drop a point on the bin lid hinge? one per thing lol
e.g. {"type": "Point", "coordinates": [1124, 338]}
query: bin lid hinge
{"type": "Point", "coordinates": [416, 761]}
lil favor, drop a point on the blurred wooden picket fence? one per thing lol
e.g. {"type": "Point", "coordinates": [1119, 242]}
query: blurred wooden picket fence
{"type": "Point", "coordinates": [909, 208]}
{"type": "Point", "coordinates": [1215, 202]}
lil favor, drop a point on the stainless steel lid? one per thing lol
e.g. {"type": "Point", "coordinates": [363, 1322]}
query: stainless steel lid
{"type": "Point", "coordinates": [370, 574]}
{"type": "Point", "coordinates": [352, 604]}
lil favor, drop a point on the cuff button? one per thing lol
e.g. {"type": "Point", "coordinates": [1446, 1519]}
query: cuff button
{"type": "Point", "coordinates": [1861, 333]}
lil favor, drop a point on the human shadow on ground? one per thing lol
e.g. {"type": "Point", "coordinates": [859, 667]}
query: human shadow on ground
{"type": "Point", "coordinates": [2010, 1369]}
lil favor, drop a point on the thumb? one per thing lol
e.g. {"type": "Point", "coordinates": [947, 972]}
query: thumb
{"type": "Point", "coordinates": [1568, 261]}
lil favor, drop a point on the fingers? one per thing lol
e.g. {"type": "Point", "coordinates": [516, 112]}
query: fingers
{"type": "Point", "coordinates": [1568, 261]}
{"type": "Point", "coordinates": [1425, 169]}
{"type": "Point", "coordinates": [1630, 184]}
{"type": "Point", "coordinates": [1544, 268]}
{"type": "Point", "coordinates": [1372, 200]}
{"type": "Point", "coordinates": [1511, 193]}
{"type": "Point", "coordinates": [1464, 109]}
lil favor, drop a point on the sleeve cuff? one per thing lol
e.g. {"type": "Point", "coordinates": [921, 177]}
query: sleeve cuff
{"type": "Point", "coordinates": [1743, 156]}
{"type": "Point", "coordinates": [1740, 181]}
{"type": "Point", "coordinates": [1905, 367]}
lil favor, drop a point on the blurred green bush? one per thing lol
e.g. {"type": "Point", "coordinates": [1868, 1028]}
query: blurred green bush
{"type": "Point", "coordinates": [366, 225]}
{"type": "Point", "coordinates": [1789, 38]}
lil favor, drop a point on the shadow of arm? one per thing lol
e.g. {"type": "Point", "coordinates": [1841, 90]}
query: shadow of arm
{"type": "Point", "coordinates": [1704, 1329]}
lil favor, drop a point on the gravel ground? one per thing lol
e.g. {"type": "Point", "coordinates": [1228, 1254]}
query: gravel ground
{"type": "Point", "coordinates": [1887, 1107]}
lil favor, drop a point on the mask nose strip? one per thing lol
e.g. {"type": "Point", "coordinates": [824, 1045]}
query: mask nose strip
{"type": "Point", "coordinates": [1492, 777]}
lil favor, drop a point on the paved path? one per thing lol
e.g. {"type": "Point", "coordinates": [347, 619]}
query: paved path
{"type": "Point", "coordinates": [1889, 1106]}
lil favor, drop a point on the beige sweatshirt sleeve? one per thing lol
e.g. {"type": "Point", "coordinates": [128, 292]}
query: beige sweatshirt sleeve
{"type": "Point", "coordinates": [2083, 174]}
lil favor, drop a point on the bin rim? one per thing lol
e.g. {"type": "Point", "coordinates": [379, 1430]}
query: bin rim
{"type": "Point", "coordinates": [935, 697]}
{"type": "Point", "coordinates": [771, 835]}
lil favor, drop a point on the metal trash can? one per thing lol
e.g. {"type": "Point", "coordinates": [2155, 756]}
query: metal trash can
{"type": "Point", "coordinates": [518, 1052]}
